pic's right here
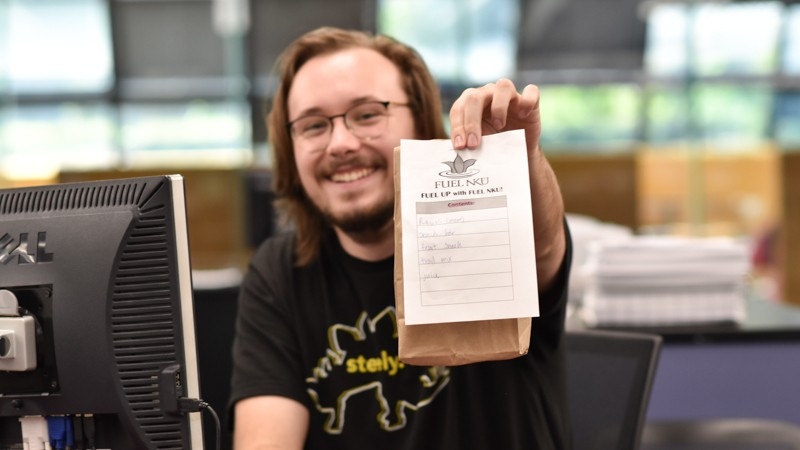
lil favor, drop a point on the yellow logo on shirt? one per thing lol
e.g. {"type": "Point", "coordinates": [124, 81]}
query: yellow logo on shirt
{"type": "Point", "coordinates": [365, 373]}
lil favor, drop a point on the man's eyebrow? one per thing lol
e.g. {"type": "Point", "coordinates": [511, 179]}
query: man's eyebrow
{"type": "Point", "coordinates": [364, 99]}
{"type": "Point", "coordinates": [313, 111]}
{"type": "Point", "coordinates": [317, 111]}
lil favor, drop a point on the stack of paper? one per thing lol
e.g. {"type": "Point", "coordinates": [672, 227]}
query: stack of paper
{"type": "Point", "coordinates": [663, 281]}
{"type": "Point", "coordinates": [584, 230]}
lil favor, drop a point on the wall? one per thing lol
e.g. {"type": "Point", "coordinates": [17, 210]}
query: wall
{"type": "Point", "coordinates": [726, 193]}
{"type": "Point", "coordinates": [790, 226]}
{"type": "Point", "coordinates": [598, 185]}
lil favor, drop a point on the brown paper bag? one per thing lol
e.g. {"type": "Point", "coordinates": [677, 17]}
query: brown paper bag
{"type": "Point", "coordinates": [453, 343]}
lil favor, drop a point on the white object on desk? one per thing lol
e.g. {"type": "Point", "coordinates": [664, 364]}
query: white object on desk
{"type": "Point", "coordinates": [665, 281]}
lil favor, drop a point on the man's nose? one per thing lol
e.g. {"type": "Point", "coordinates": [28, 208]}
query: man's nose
{"type": "Point", "coordinates": [342, 138]}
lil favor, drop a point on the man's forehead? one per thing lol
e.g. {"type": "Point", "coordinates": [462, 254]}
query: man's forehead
{"type": "Point", "coordinates": [345, 77]}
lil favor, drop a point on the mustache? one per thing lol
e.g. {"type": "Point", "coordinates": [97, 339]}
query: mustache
{"type": "Point", "coordinates": [332, 165]}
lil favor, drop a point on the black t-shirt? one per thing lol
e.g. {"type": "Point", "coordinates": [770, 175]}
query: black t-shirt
{"type": "Point", "coordinates": [325, 335]}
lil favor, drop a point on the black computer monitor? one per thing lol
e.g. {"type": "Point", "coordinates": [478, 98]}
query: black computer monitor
{"type": "Point", "coordinates": [96, 314]}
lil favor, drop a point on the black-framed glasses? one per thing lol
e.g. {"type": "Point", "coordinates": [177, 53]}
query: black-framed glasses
{"type": "Point", "coordinates": [365, 120]}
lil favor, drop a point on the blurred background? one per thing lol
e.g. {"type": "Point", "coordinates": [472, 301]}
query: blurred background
{"type": "Point", "coordinates": [664, 117]}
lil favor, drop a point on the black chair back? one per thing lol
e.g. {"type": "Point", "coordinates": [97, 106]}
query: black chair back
{"type": "Point", "coordinates": [215, 305]}
{"type": "Point", "coordinates": [609, 377]}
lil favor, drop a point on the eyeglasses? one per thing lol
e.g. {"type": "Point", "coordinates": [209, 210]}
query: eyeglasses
{"type": "Point", "coordinates": [365, 120]}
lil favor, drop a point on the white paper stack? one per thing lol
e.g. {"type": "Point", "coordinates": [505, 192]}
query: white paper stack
{"type": "Point", "coordinates": [665, 281]}
{"type": "Point", "coordinates": [584, 230]}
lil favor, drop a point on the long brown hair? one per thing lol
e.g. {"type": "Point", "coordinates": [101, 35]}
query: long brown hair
{"type": "Point", "coordinates": [418, 84]}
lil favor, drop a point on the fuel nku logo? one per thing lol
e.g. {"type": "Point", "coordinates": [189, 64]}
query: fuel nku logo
{"type": "Point", "coordinates": [20, 249]}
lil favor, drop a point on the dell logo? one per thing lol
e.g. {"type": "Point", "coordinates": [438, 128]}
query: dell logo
{"type": "Point", "coordinates": [10, 249]}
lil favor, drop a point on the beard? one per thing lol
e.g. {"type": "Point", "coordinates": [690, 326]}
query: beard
{"type": "Point", "coordinates": [364, 220]}
{"type": "Point", "coordinates": [368, 219]}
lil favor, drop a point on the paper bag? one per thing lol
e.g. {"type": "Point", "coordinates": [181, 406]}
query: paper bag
{"type": "Point", "coordinates": [453, 343]}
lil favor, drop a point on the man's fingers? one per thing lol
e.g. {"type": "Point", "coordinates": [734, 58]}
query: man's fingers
{"type": "Point", "coordinates": [465, 118]}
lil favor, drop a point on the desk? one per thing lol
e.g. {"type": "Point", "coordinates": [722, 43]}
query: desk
{"type": "Point", "coordinates": [732, 371]}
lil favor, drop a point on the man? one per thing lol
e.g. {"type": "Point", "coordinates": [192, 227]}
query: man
{"type": "Point", "coordinates": [316, 352]}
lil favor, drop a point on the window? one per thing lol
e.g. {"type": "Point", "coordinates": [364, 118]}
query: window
{"type": "Point", "coordinates": [735, 39]}
{"type": "Point", "coordinates": [787, 110]}
{"type": "Point", "coordinates": [55, 67]}
{"type": "Point", "coordinates": [463, 42]}
{"type": "Point", "coordinates": [197, 132]}
{"type": "Point", "coordinates": [791, 55]}
{"type": "Point", "coordinates": [173, 104]}
{"type": "Point", "coordinates": [55, 46]}
{"type": "Point", "coordinates": [787, 121]}
{"type": "Point", "coordinates": [38, 140]}
{"type": "Point", "coordinates": [590, 118]}
{"type": "Point", "coordinates": [708, 80]}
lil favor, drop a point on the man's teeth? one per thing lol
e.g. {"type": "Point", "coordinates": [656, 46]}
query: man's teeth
{"type": "Point", "coordinates": [354, 175]}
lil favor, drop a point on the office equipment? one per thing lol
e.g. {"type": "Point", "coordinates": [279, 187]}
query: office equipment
{"type": "Point", "coordinates": [102, 271]}
{"type": "Point", "coordinates": [728, 434]}
{"type": "Point", "coordinates": [609, 377]}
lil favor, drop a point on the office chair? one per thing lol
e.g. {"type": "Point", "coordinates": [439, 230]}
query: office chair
{"type": "Point", "coordinates": [215, 303]}
{"type": "Point", "coordinates": [609, 377]}
{"type": "Point", "coordinates": [719, 434]}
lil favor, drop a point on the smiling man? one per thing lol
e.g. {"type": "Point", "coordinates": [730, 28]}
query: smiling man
{"type": "Point", "coordinates": [346, 171]}
{"type": "Point", "coordinates": [315, 356]}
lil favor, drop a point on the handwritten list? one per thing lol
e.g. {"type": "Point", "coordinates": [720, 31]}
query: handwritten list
{"type": "Point", "coordinates": [467, 231]}
{"type": "Point", "coordinates": [466, 246]}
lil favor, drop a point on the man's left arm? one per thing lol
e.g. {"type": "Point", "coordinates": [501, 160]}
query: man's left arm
{"type": "Point", "coordinates": [497, 107]}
